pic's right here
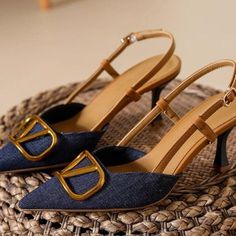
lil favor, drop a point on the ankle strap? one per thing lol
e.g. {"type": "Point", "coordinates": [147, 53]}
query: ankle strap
{"type": "Point", "coordinates": [127, 41]}
{"type": "Point", "coordinates": [228, 97]}
{"type": "Point", "coordinates": [203, 71]}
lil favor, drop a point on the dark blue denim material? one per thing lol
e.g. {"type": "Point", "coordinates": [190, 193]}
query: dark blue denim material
{"type": "Point", "coordinates": [116, 155]}
{"type": "Point", "coordinates": [68, 147]}
{"type": "Point", "coordinates": [120, 191]}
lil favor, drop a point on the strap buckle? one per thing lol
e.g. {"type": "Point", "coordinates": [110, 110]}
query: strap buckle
{"type": "Point", "coordinates": [130, 38]}
{"type": "Point", "coordinates": [69, 171]}
{"type": "Point", "coordinates": [227, 99]}
{"type": "Point", "coordinates": [24, 133]}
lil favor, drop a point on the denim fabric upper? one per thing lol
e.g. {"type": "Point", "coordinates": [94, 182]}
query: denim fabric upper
{"type": "Point", "coordinates": [120, 191]}
{"type": "Point", "coordinates": [69, 145]}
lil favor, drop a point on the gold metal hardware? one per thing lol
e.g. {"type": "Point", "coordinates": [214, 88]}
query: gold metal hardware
{"type": "Point", "coordinates": [227, 93]}
{"type": "Point", "coordinates": [69, 171]}
{"type": "Point", "coordinates": [22, 135]}
{"type": "Point", "coordinates": [130, 38]}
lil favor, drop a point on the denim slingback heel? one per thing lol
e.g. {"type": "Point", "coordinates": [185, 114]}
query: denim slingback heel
{"type": "Point", "coordinates": [122, 178]}
{"type": "Point", "coordinates": [55, 138]}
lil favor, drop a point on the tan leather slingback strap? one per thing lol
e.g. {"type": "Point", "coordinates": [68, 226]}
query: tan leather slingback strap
{"type": "Point", "coordinates": [198, 74]}
{"type": "Point", "coordinates": [225, 101]}
{"type": "Point", "coordinates": [103, 66]}
{"type": "Point", "coordinates": [155, 34]}
{"type": "Point", "coordinates": [128, 40]}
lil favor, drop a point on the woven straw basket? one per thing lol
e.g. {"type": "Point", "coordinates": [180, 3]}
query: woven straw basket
{"type": "Point", "coordinates": [203, 203]}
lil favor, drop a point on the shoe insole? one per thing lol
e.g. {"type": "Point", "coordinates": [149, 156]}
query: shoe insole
{"type": "Point", "coordinates": [102, 104]}
{"type": "Point", "coordinates": [155, 160]}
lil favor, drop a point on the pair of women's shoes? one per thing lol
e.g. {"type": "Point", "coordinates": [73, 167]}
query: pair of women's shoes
{"type": "Point", "coordinates": [119, 177]}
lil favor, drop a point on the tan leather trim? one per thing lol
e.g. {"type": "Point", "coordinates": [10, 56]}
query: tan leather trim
{"type": "Point", "coordinates": [109, 69]}
{"type": "Point", "coordinates": [133, 95]}
{"type": "Point", "coordinates": [167, 110]}
{"type": "Point", "coordinates": [205, 129]}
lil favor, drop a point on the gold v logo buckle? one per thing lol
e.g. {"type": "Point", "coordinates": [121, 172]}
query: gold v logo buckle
{"type": "Point", "coordinates": [70, 172]}
{"type": "Point", "coordinates": [23, 135]}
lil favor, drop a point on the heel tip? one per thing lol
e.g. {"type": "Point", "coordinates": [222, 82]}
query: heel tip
{"type": "Point", "coordinates": [221, 169]}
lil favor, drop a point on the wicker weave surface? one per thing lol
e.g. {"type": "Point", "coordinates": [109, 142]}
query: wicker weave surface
{"type": "Point", "coordinates": [203, 203]}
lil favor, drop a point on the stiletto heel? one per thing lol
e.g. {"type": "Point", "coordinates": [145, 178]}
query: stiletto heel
{"type": "Point", "coordinates": [221, 162]}
{"type": "Point", "coordinates": [156, 92]}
